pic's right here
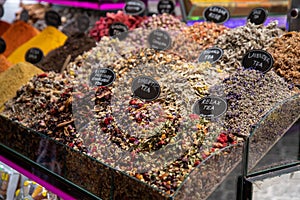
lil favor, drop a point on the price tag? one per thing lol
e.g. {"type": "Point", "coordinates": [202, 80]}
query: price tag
{"type": "Point", "coordinates": [258, 16]}
{"type": "Point", "coordinates": [165, 6]}
{"type": "Point", "coordinates": [145, 88]}
{"type": "Point", "coordinates": [2, 45]}
{"type": "Point", "coordinates": [216, 14]}
{"type": "Point", "coordinates": [1, 11]}
{"type": "Point", "coordinates": [52, 18]}
{"type": "Point", "coordinates": [258, 60]}
{"type": "Point", "coordinates": [211, 55]}
{"type": "Point", "coordinates": [118, 30]}
{"type": "Point", "coordinates": [159, 40]}
{"type": "Point", "coordinates": [210, 107]}
{"type": "Point", "coordinates": [34, 55]}
{"type": "Point", "coordinates": [24, 16]}
{"type": "Point", "coordinates": [102, 77]}
{"type": "Point", "coordinates": [83, 23]}
{"type": "Point", "coordinates": [134, 7]}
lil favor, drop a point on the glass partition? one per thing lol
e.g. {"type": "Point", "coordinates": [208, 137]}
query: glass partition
{"type": "Point", "coordinates": [271, 128]}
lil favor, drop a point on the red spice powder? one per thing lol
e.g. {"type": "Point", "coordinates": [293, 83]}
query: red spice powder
{"type": "Point", "coordinates": [3, 27]}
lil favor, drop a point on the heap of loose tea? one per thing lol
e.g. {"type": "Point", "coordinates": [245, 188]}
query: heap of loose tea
{"type": "Point", "coordinates": [205, 33]}
{"type": "Point", "coordinates": [130, 133]}
{"type": "Point", "coordinates": [181, 45]}
{"type": "Point", "coordinates": [286, 52]}
{"type": "Point", "coordinates": [165, 21]}
{"type": "Point", "coordinates": [250, 95]}
{"type": "Point", "coordinates": [236, 42]}
{"type": "Point", "coordinates": [101, 27]}
{"type": "Point", "coordinates": [44, 104]}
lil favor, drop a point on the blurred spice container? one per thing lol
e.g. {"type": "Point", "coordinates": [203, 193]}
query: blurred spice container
{"type": "Point", "coordinates": [36, 11]}
{"type": "Point", "coordinates": [205, 33]}
{"type": "Point", "coordinates": [75, 45]}
{"type": "Point", "coordinates": [101, 27]}
{"type": "Point", "coordinates": [286, 53]}
{"type": "Point", "coordinates": [49, 39]}
{"type": "Point", "coordinates": [17, 34]}
{"type": "Point", "coordinates": [13, 78]}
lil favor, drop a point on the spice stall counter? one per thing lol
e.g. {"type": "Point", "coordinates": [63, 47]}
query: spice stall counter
{"type": "Point", "coordinates": [84, 177]}
{"type": "Point", "coordinates": [195, 8]}
{"type": "Point", "coordinates": [155, 113]}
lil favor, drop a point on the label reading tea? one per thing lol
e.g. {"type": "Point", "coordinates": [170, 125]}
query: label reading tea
{"type": "Point", "coordinates": [83, 23]}
{"type": "Point", "coordinates": [24, 16]}
{"type": "Point", "coordinates": [134, 7]}
{"type": "Point", "coordinates": [210, 107]}
{"type": "Point", "coordinates": [52, 18]}
{"type": "Point", "coordinates": [258, 60]}
{"type": "Point", "coordinates": [159, 40]}
{"type": "Point", "coordinates": [2, 45]}
{"type": "Point", "coordinates": [165, 6]}
{"type": "Point", "coordinates": [145, 88]}
{"type": "Point", "coordinates": [102, 77]}
{"type": "Point", "coordinates": [1, 11]}
{"type": "Point", "coordinates": [34, 55]}
{"type": "Point", "coordinates": [258, 16]}
{"type": "Point", "coordinates": [216, 14]}
{"type": "Point", "coordinates": [211, 55]}
{"type": "Point", "coordinates": [118, 30]}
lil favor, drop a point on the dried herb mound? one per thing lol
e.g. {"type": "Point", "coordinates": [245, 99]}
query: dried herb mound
{"type": "Point", "coordinates": [45, 105]}
{"type": "Point", "coordinates": [101, 27]}
{"type": "Point", "coordinates": [165, 21]}
{"type": "Point", "coordinates": [236, 42]}
{"type": "Point", "coordinates": [250, 95]}
{"type": "Point", "coordinates": [286, 53]}
{"type": "Point", "coordinates": [205, 33]}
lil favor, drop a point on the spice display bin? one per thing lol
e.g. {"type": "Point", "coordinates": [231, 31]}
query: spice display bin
{"type": "Point", "coordinates": [58, 163]}
{"type": "Point", "coordinates": [195, 8]}
{"type": "Point", "coordinates": [280, 161]}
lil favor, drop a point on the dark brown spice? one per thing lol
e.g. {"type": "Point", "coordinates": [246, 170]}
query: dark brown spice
{"type": "Point", "coordinates": [74, 46]}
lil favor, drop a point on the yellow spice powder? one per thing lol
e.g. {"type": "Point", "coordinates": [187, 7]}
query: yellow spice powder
{"type": "Point", "coordinates": [13, 78]}
{"type": "Point", "coordinates": [50, 38]}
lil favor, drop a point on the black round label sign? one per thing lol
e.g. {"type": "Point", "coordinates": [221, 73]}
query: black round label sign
{"type": "Point", "coordinates": [83, 23]}
{"type": "Point", "coordinates": [2, 45]}
{"type": "Point", "coordinates": [102, 77]}
{"type": "Point", "coordinates": [34, 55]}
{"type": "Point", "coordinates": [145, 88]}
{"type": "Point", "coordinates": [52, 18]}
{"type": "Point", "coordinates": [258, 16]}
{"type": "Point", "coordinates": [24, 16]}
{"type": "Point", "coordinates": [159, 40]}
{"type": "Point", "coordinates": [1, 11]}
{"type": "Point", "coordinates": [210, 107]}
{"type": "Point", "coordinates": [165, 6]}
{"type": "Point", "coordinates": [118, 30]}
{"type": "Point", "coordinates": [211, 55]}
{"type": "Point", "coordinates": [134, 7]}
{"type": "Point", "coordinates": [258, 60]}
{"type": "Point", "coordinates": [216, 14]}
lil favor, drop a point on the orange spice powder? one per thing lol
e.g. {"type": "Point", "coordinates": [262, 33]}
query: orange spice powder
{"type": "Point", "coordinates": [17, 34]}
